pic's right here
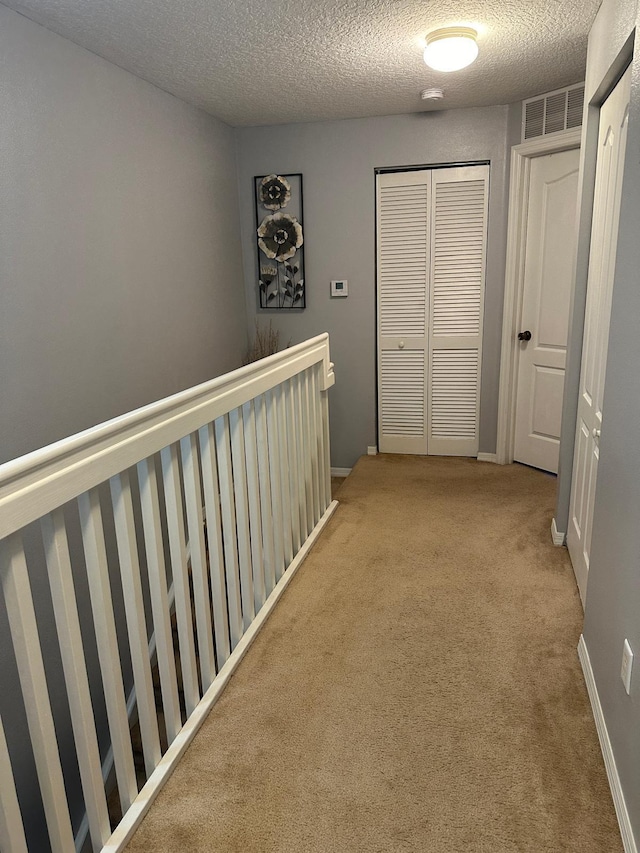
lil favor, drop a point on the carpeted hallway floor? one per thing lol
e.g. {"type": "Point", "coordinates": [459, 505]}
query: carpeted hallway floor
{"type": "Point", "coordinates": [416, 689]}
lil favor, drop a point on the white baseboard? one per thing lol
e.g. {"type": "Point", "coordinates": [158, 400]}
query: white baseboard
{"type": "Point", "coordinates": [487, 457]}
{"type": "Point", "coordinates": [619, 803]}
{"type": "Point", "coordinates": [340, 472]}
{"type": "Point", "coordinates": [557, 536]}
{"type": "Point", "coordinates": [372, 451]}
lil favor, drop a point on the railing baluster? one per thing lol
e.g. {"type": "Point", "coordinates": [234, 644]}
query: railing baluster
{"type": "Point", "coordinates": [308, 449]}
{"type": "Point", "coordinates": [299, 428]}
{"type": "Point", "coordinates": [271, 514]}
{"type": "Point", "coordinates": [11, 828]}
{"type": "Point", "coordinates": [26, 644]}
{"type": "Point", "coordinates": [255, 515]}
{"type": "Point", "coordinates": [292, 451]}
{"type": "Point", "coordinates": [326, 462]}
{"type": "Point", "coordinates": [180, 573]}
{"type": "Point", "coordinates": [305, 461]}
{"type": "Point", "coordinates": [136, 624]}
{"type": "Point", "coordinates": [242, 515]}
{"type": "Point", "coordinates": [214, 540]}
{"type": "Point", "coordinates": [322, 483]}
{"type": "Point", "coordinates": [313, 417]}
{"type": "Point", "coordinates": [283, 478]}
{"type": "Point", "coordinates": [65, 610]}
{"type": "Point", "coordinates": [300, 433]}
{"type": "Point", "coordinates": [228, 508]}
{"type": "Point", "coordinates": [195, 522]}
{"type": "Point", "coordinates": [150, 504]}
{"type": "Point", "coordinates": [107, 641]}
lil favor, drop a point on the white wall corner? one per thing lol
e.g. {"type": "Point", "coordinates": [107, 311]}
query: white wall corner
{"type": "Point", "coordinates": [340, 472]}
{"type": "Point", "coordinates": [619, 803]}
{"type": "Point", "coordinates": [557, 536]}
{"type": "Point", "coordinates": [487, 457]}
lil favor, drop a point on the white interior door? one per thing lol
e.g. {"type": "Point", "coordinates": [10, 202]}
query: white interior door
{"type": "Point", "coordinates": [432, 230]}
{"type": "Point", "coordinates": [403, 200]}
{"type": "Point", "coordinates": [548, 277]}
{"type": "Point", "coordinates": [459, 203]}
{"type": "Point", "coordinates": [604, 235]}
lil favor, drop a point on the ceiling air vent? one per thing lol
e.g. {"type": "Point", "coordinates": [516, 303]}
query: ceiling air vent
{"type": "Point", "coordinates": [553, 112]}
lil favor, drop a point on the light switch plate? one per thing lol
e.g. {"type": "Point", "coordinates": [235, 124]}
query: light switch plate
{"type": "Point", "coordinates": [340, 287]}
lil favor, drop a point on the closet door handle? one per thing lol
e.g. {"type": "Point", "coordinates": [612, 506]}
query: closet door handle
{"type": "Point", "coordinates": [524, 336]}
{"type": "Point", "coordinates": [401, 345]}
{"type": "Point", "coordinates": [596, 432]}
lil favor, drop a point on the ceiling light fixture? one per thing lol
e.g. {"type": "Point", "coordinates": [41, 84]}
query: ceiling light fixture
{"type": "Point", "coordinates": [451, 48]}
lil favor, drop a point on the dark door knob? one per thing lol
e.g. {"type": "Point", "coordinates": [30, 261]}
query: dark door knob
{"type": "Point", "coordinates": [524, 336]}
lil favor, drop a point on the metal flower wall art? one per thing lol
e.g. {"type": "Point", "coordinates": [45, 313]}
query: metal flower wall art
{"type": "Point", "coordinates": [280, 241]}
{"type": "Point", "coordinates": [275, 192]}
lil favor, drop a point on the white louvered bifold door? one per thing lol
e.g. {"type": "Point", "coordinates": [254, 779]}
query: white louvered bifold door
{"type": "Point", "coordinates": [431, 227]}
{"type": "Point", "coordinates": [403, 266]}
{"type": "Point", "coordinates": [458, 247]}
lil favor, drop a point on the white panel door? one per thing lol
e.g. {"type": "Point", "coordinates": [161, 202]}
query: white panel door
{"type": "Point", "coordinates": [403, 264]}
{"type": "Point", "coordinates": [431, 227]}
{"type": "Point", "coordinates": [604, 235]}
{"type": "Point", "coordinates": [459, 203]}
{"type": "Point", "coordinates": [548, 279]}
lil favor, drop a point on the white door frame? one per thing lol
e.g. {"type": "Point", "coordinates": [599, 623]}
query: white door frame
{"type": "Point", "coordinates": [521, 157]}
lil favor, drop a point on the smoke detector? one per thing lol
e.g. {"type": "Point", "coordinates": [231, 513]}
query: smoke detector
{"type": "Point", "coordinates": [432, 94]}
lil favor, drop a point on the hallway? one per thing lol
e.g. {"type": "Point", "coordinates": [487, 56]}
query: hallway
{"type": "Point", "coordinates": [416, 689]}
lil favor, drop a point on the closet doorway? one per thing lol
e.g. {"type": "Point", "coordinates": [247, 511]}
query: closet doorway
{"type": "Point", "coordinates": [431, 228]}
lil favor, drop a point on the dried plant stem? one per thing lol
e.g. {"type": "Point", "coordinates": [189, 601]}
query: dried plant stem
{"type": "Point", "coordinates": [266, 342]}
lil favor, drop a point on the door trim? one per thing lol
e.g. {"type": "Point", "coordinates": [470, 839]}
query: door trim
{"type": "Point", "coordinates": [521, 157]}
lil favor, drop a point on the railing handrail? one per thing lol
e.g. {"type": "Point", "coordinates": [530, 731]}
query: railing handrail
{"type": "Point", "coordinates": [38, 482]}
{"type": "Point", "coordinates": [216, 492]}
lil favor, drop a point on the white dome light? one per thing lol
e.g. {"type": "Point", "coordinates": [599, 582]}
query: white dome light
{"type": "Point", "coordinates": [451, 49]}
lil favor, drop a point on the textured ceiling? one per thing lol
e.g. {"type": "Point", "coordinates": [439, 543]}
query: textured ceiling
{"type": "Point", "coordinates": [253, 62]}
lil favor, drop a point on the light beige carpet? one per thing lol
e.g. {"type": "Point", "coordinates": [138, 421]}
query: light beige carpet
{"type": "Point", "coordinates": [416, 689]}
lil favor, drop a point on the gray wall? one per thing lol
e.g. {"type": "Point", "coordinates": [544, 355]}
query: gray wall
{"type": "Point", "coordinates": [514, 130]}
{"type": "Point", "coordinates": [338, 160]}
{"type": "Point", "coordinates": [120, 276]}
{"type": "Point", "coordinates": [119, 249]}
{"type": "Point", "coordinates": [613, 593]}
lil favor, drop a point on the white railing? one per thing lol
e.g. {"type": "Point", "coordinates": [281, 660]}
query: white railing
{"type": "Point", "coordinates": [214, 497]}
